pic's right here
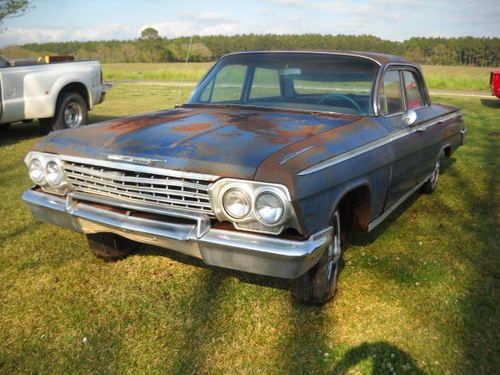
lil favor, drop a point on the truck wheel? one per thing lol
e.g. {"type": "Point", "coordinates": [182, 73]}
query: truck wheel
{"type": "Point", "coordinates": [318, 285]}
{"type": "Point", "coordinates": [431, 183]}
{"type": "Point", "coordinates": [71, 112]}
{"type": "Point", "coordinates": [4, 127]}
{"type": "Point", "coordinates": [110, 247]}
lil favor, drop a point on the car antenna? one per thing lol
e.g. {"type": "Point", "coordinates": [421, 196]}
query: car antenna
{"type": "Point", "coordinates": [185, 71]}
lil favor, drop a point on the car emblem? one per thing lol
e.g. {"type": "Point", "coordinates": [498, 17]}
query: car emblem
{"type": "Point", "coordinates": [132, 159]}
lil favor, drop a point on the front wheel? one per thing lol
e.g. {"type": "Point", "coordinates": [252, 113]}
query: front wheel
{"type": "Point", "coordinates": [110, 247]}
{"type": "Point", "coordinates": [318, 285]}
{"type": "Point", "coordinates": [71, 112]}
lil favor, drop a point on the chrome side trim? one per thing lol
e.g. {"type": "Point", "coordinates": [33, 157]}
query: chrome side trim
{"type": "Point", "coordinates": [395, 135]}
{"type": "Point", "coordinates": [391, 209]}
{"type": "Point", "coordinates": [140, 168]}
{"type": "Point", "coordinates": [292, 155]}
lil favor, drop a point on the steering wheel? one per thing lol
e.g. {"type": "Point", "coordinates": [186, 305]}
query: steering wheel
{"type": "Point", "coordinates": [341, 96]}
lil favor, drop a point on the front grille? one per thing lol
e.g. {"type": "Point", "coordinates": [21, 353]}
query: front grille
{"type": "Point", "coordinates": [157, 190]}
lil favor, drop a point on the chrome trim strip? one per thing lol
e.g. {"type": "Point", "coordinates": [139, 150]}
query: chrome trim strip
{"type": "Point", "coordinates": [306, 52]}
{"type": "Point", "coordinates": [395, 135]}
{"type": "Point", "coordinates": [140, 168]}
{"type": "Point", "coordinates": [292, 155]}
{"type": "Point", "coordinates": [391, 209]}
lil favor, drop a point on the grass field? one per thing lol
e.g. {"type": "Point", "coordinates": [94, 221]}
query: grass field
{"type": "Point", "coordinates": [419, 295]}
{"type": "Point", "coordinates": [437, 77]}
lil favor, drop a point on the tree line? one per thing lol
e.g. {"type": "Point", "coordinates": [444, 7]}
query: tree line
{"type": "Point", "coordinates": [151, 47]}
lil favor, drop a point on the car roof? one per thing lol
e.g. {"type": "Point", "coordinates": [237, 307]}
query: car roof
{"type": "Point", "coordinates": [380, 58]}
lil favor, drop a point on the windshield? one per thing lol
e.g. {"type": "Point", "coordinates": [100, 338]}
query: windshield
{"type": "Point", "coordinates": [301, 81]}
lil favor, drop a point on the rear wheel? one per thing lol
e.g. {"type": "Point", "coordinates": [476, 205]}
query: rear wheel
{"type": "Point", "coordinates": [110, 247]}
{"type": "Point", "coordinates": [431, 184]}
{"type": "Point", "coordinates": [71, 112]}
{"type": "Point", "coordinates": [318, 285]}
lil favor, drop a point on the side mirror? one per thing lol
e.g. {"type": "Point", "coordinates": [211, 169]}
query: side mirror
{"type": "Point", "coordinates": [409, 118]}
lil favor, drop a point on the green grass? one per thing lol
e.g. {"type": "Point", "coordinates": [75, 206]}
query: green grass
{"type": "Point", "coordinates": [457, 77]}
{"type": "Point", "coordinates": [437, 77]}
{"type": "Point", "coordinates": [159, 71]}
{"type": "Point", "coordinates": [419, 295]}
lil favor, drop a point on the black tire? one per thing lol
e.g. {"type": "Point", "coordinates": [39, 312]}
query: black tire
{"type": "Point", "coordinates": [110, 247]}
{"type": "Point", "coordinates": [319, 284]}
{"type": "Point", "coordinates": [4, 127]}
{"type": "Point", "coordinates": [431, 184]}
{"type": "Point", "coordinates": [71, 112]}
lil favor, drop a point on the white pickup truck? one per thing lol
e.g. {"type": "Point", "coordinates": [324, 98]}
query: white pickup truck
{"type": "Point", "coordinates": [58, 94]}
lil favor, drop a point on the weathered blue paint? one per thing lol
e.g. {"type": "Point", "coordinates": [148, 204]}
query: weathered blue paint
{"type": "Point", "coordinates": [251, 143]}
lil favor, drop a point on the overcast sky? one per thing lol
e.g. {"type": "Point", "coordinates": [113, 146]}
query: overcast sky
{"type": "Point", "coordinates": [63, 20]}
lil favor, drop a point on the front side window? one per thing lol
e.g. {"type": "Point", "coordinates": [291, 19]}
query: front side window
{"type": "Point", "coordinates": [391, 97]}
{"type": "Point", "coordinates": [227, 85]}
{"type": "Point", "coordinates": [297, 81]}
{"type": "Point", "coordinates": [414, 98]}
{"type": "Point", "coordinates": [265, 84]}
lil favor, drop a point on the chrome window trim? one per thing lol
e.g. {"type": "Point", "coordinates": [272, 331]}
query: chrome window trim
{"type": "Point", "coordinates": [140, 168]}
{"type": "Point", "coordinates": [349, 54]}
{"type": "Point", "coordinates": [380, 80]}
{"type": "Point", "coordinates": [397, 134]}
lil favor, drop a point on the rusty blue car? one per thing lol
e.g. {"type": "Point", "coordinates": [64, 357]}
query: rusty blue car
{"type": "Point", "coordinates": [272, 160]}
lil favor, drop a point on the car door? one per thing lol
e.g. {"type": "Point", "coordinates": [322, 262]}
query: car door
{"type": "Point", "coordinates": [428, 123]}
{"type": "Point", "coordinates": [405, 136]}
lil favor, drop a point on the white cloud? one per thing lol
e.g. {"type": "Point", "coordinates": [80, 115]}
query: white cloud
{"type": "Point", "coordinates": [22, 35]}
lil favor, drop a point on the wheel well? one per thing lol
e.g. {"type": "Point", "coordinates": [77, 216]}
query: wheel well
{"type": "Point", "coordinates": [355, 209]}
{"type": "Point", "coordinates": [447, 151]}
{"type": "Point", "coordinates": [79, 88]}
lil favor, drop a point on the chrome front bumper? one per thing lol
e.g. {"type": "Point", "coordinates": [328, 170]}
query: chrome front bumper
{"type": "Point", "coordinates": [259, 254]}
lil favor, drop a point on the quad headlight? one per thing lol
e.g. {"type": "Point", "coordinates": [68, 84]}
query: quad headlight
{"type": "Point", "coordinates": [269, 208]}
{"type": "Point", "coordinates": [253, 206]}
{"type": "Point", "coordinates": [45, 170]}
{"type": "Point", "coordinates": [54, 174]}
{"type": "Point", "coordinates": [237, 203]}
{"type": "Point", "coordinates": [36, 170]}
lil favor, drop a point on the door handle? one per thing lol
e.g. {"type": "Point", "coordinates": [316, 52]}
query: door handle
{"type": "Point", "coordinates": [419, 129]}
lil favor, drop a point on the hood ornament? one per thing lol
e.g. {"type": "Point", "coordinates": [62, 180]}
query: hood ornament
{"type": "Point", "coordinates": [132, 159]}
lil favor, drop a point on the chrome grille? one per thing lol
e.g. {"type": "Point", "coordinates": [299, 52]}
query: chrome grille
{"type": "Point", "coordinates": [146, 188]}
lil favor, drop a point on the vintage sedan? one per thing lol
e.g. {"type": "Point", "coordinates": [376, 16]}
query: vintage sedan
{"type": "Point", "coordinates": [275, 156]}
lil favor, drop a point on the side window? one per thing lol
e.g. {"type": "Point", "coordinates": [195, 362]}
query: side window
{"type": "Point", "coordinates": [266, 83]}
{"type": "Point", "coordinates": [414, 97]}
{"type": "Point", "coordinates": [226, 86]}
{"type": "Point", "coordinates": [391, 97]}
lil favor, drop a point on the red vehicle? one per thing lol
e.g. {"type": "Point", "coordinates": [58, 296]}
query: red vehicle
{"type": "Point", "coordinates": [495, 83]}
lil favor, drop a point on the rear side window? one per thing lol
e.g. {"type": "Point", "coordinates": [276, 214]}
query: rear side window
{"type": "Point", "coordinates": [391, 96]}
{"type": "Point", "coordinates": [414, 98]}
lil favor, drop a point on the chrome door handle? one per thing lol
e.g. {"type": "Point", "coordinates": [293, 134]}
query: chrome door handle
{"type": "Point", "coordinates": [419, 129]}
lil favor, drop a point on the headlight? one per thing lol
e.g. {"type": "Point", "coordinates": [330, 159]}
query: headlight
{"type": "Point", "coordinates": [236, 203]}
{"type": "Point", "coordinates": [36, 171]}
{"type": "Point", "coordinates": [269, 208]}
{"type": "Point", "coordinates": [46, 171]}
{"type": "Point", "coordinates": [54, 175]}
{"type": "Point", "coordinates": [254, 206]}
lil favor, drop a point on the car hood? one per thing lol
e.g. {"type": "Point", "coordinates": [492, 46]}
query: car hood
{"type": "Point", "coordinates": [219, 141]}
